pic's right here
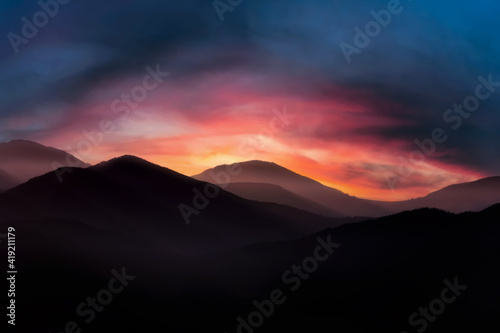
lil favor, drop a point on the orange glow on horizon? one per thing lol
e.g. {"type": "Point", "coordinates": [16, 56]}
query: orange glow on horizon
{"type": "Point", "coordinates": [219, 120]}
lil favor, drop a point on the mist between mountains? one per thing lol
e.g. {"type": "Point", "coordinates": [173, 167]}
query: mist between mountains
{"type": "Point", "coordinates": [121, 107]}
{"type": "Point", "coordinates": [248, 148]}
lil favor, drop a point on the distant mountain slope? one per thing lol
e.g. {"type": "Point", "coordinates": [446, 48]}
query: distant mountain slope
{"type": "Point", "coordinates": [277, 194]}
{"type": "Point", "coordinates": [271, 173]}
{"type": "Point", "coordinates": [23, 160]}
{"type": "Point", "coordinates": [471, 196]}
{"type": "Point", "coordinates": [131, 195]}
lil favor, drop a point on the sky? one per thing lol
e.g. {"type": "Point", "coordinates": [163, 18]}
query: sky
{"type": "Point", "coordinates": [364, 96]}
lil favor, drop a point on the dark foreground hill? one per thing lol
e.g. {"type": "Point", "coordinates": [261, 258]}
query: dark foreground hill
{"type": "Point", "coordinates": [175, 213]}
{"type": "Point", "coordinates": [378, 274]}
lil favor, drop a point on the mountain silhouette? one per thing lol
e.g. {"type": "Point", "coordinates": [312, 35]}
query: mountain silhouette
{"type": "Point", "coordinates": [472, 196]}
{"type": "Point", "coordinates": [277, 194]}
{"type": "Point", "coordinates": [124, 214]}
{"type": "Point", "coordinates": [22, 160]}
{"type": "Point", "coordinates": [384, 270]}
{"type": "Point", "coordinates": [458, 198]}
{"type": "Point", "coordinates": [272, 173]}
{"type": "Point", "coordinates": [128, 194]}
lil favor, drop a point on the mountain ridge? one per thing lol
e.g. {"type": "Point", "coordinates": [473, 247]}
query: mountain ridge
{"type": "Point", "coordinates": [133, 195]}
{"type": "Point", "coordinates": [268, 172]}
{"type": "Point", "coordinates": [24, 159]}
{"type": "Point", "coordinates": [486, 193]}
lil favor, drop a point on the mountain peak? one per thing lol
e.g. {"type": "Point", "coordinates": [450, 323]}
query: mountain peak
{"type": "Point", "coordinates": [258, 167]}
{"type": "Point", "coordinates": [256, 171]}
{"type": "Point", "coordinates": [24, 159]}
{"type": "Point", "coordinates": [259, 162]}
{"type": "Point", "coordinates": [21, 144]}
{"type": "Point", "coordinates": [129, 159]}
{"type": "Point", "coordinates": [126, 161]}
{"type": "Point", "coordinates": [23, 141]}
{"type": "Point", "coordinates": [263, 165]}
{"type": "Point", "coordinates": [133, 166]}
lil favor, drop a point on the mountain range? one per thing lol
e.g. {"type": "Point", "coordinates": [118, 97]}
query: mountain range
{"type": "Point", "coordinates": [21, 160]}
{"type": "Point", "coordinates": [382, 271]}
{"type": "Point", "coordinates": [255, 176]}
{"type": "Point", "coordinates": [132, 194]}
{"type": "Point", "coordinates": [205, 257]}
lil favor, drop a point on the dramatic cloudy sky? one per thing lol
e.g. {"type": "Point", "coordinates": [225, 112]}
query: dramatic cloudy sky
{"type": "Point", "coordinates": [351, 125]}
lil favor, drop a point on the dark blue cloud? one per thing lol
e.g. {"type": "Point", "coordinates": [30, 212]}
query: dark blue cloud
{"type": "Point", "coordinates": [426, 59]}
